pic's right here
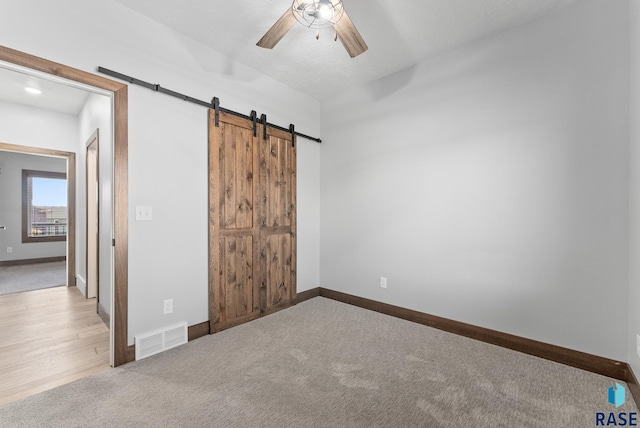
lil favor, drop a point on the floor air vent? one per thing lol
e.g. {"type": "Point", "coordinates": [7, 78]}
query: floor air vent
{"type": "Point", "coordinates": [152, 343]}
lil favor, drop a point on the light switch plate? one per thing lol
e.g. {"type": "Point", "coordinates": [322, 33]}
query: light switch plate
{"type": "Point", "coordinates": [144, 214]}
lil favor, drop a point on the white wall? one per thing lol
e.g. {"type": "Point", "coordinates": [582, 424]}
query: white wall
{"type": "Point", "coordinates": [308, 198]}
{"type": "Point", "coordinates": [11, 166]}
{"type": "Point", "coordinates": [634, 191]}
{"type": "Point", "coordinates": [490, 183]}
{"type": "Point", "coordinates": [167, 140]}
{"type": "Point", "coordinates": [29, 126]}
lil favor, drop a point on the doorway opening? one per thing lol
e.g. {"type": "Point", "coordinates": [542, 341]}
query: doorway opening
{"type": "Point", "coordinates": [37, 217]}
{"type": "Point", "coordinates": [121, 351]}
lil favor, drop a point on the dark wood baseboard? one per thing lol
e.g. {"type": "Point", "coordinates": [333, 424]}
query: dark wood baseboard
{"type": "Point", "coordinates": [277, 308]}
{"type": "Point", "coordinates": [204, 328]}
{"type": "Point", "coordinates": [570, 357]}
{"type": "Point", "coordinates": [102, 313]}
{"type": "Point", "coordinates": [306, 295]}
{"type": "Point", "coordinates": [130, 355]}
{"type": "Point", "coordinates": [32, 261]}
{"type": "Point", "coordinates": [218, 327]}
{"type": "Point", "coordinates": [198, 330]}
{"type": "Point", "coordinates": [632, 383]}
{"type": "Point", "coordinates": [581, 360]}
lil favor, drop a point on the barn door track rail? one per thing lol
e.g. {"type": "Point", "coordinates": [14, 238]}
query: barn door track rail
{"type": "Point", "coordinates": [214, 104]}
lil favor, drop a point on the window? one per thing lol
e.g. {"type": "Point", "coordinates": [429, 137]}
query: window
{"type": "Point", "coordinates": [44, 206]}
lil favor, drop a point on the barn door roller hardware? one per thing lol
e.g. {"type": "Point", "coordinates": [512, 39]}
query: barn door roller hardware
{"type": "Point", "coordinates": [263, 121]}
{"type": "Point", "coordinates": [216, 108]}
{"type": "Point", "coordinates": [254, 119]}
{"type": "Point", "coordinates": [214, 104]}
{"type": "Point", "coordinates": [292, 129]}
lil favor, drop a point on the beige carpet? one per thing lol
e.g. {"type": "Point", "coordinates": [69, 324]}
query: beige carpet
{"type": "Point", "coordinates": [326, 364]}
{"type": "Point", "coordinates": [16, 279]}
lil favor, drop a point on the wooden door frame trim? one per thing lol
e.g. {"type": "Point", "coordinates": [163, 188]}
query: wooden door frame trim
{"type": "Point", "coordinates": [95, 137]}
{"type": "Point", "coordinates": [70, 176]}
{"type": "Point", "coordinates": [122, 352]}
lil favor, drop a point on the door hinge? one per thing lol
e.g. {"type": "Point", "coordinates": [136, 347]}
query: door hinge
{"type": "Point", "coordinates": [113, 242]}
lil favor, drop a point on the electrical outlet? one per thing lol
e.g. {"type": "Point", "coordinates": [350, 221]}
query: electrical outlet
{"type": "Point", "coordinates": [383, 282]}
{"type": "Point", "coordinates": [9, 249]}
{"type": "Point", "coordinates": [168, 307]}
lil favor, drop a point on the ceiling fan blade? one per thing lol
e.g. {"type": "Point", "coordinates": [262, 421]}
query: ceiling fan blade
{"type": "Point", "coordinates": [278, 30]}
{"type": "Point", "coordinates": [349, 36]}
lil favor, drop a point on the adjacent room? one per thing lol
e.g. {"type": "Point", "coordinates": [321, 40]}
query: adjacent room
{"type": "Point", "coordinates": [55, 315]}
{"type": "Point", "coordinates": [334, 213]}
{"type": "Point", "coordinates": [44, 181]}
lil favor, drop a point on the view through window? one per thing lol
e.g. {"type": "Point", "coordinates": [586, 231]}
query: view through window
{"type": "Point", "coordinates": [44, 206]}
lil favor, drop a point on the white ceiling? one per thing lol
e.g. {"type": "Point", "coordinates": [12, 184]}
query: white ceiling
{"type": "Point", "coordinates": [399, 34]}
{"type": "Point", "coordinates": [55, 96]}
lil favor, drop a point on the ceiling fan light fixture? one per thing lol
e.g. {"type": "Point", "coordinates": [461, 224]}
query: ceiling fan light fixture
{"type": "Point", "coordinates": [325, 12]}
{"type": "Point", "coordinates": [317, 13]}
{"type": "Point", "coordinates": [32, 90]}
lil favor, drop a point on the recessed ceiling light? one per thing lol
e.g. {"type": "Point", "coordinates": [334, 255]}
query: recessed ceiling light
{"type": "Point", "coordinates": [35, 91]}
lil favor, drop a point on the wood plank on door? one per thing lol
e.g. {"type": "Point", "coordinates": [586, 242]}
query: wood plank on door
{"type": "Point", "coordinates": [252, 225]}
{"type": "Point", "coordinates": [277, 214]}
{"type": "Point", "coordinates": [232, 293]}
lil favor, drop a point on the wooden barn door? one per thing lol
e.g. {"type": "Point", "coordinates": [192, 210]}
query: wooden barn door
{"type": "Point", "coordinates": [252, 211]}
{"type": "Point", "coordinates": [277, 219]}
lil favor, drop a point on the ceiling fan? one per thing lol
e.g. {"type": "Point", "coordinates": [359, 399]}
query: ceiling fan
{"type": "Point", "coordinates": [317, 14]}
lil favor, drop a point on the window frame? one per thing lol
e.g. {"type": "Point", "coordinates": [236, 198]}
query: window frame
{"type": "Point", "coordinates": [26, 173]}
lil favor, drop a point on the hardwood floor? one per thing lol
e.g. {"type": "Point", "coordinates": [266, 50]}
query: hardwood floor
{"type": "Point", "coordinates": [48, 338]}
